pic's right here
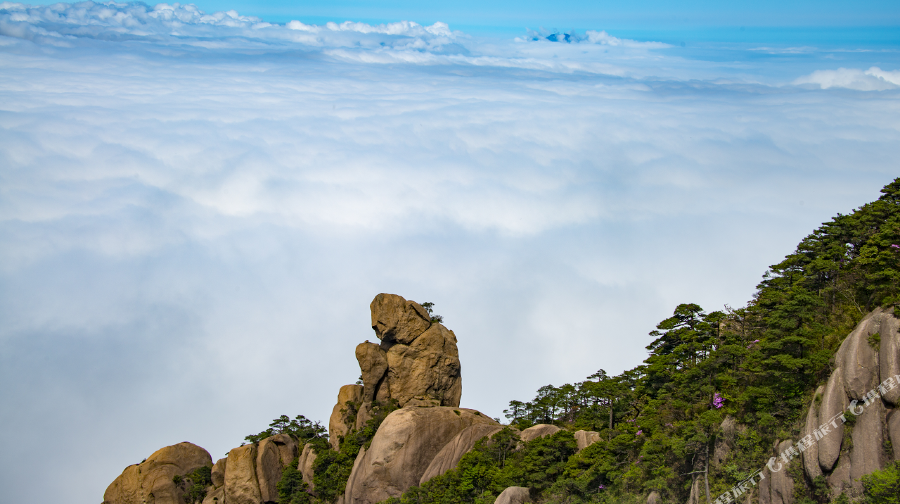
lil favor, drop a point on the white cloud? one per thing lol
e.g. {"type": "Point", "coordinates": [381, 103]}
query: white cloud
{"type": "Point", "coordinates": [873, 79]}
{"type": "Point", "coordinates": [199, 207]}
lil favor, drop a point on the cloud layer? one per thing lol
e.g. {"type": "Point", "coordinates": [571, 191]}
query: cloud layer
{"type": "Point", "coordinates": [196, 209]}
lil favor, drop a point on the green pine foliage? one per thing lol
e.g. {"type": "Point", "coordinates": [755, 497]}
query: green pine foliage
{"type": "Point", "coordinates": [658, 422]}
{"type": "Point", "coordinates": [194, 484]}
{"type": "Point", "coordinates": [883, 487]}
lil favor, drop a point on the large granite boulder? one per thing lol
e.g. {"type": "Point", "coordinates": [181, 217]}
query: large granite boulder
{"type": "Point", "coordinates": [217, 474]}
{"type": "Point", "coordinates": [782, 485]}
{"type": "Point", "coordinates": [241, 484]}
{"type": "Point", "coordinates": [811, 454]}
{"type": "Point", "coordinates": [584, 438]}
{"type": "Point", "coordinates": [867, 454]}
{"type": "Point", "coordinates": [450, 454]}
{"type": "Point", "coordinates": [396, 320]}
{"type": "Point", "coordinates": [373, 366]}
{"type": "Point", "coordinates": [428, 367]}
{"type": "Point", "coordinates": [151, 480]}
{"type": "Point", "coordinates": [305, 465]}
{"type": "Point", "coordinates": [342, 421]}
{"type": "Point", "coordinates": [859, 362]}
{"type": "Point", "coordinates": [513, 495]}
{"type": "Point", "coordinates": [539, 430]}
{"type": "Point", "coordinates": [272, 456]}
{"type": "Point", "coordinates": [402, 449]}
{"type": "Point", "coordinates": [834, 401]}
{"type": "Point", "coordinates": [889, 355]}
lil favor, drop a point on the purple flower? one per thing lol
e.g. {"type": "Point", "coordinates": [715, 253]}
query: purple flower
{"type": "Point", "coordinates": [601, 487]}
{"type": "Point", "coordinates": [895, 246]}
{"type": "Point", "coordinates": [640, 432]}
{"type": "Point", "coordinates": [718, 400]}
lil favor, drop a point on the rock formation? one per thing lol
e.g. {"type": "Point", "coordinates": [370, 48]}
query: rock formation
{"type": "Point", "coordinates": [152, 479]}
{"type": "Point", "coordinates": [584, 438]}
{"type": "Point", "coordinates": [450, 454]}
{"type": "Point", "coordinates": [539, 430]}
{"type": "Point", "coordinates": [863, 361]}
{"type": "Point", "coordinates": [305, 466]}
{"type": "Point", "coordinates": [403, 448]}
{"type": "Point", "coordinates": [514, 495]}
{"type": "Point", "coordinates": [343, 417]}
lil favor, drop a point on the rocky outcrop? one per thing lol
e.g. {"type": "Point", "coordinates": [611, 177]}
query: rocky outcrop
{"type": "Point", "coordinates": [396, 320]}
{"type": "Point", "coordinates": [305, 465]}
{"type": "Point", "coordinates": [513, 495]}
{"type": "Point", "coordinates": [426, 368]}
{"type": "Point", "coordinates": [151, 480]}
{"type": "Point", "coordinates": [653, 498]}
{"type": "Point", "coordinates": [782, 485]}
{"type": "Point", "coordinates": [450, 454]}
{"type": "Point", "coordinates": [373, 366]}
{"type": "Point", "coordinates": [725, 440]}
{"type": "Point", "coordinates": [343, 417]}
{"type": "Point", "coordinates": [539, 430]}
{"type": "Point", "coordinates": [241, 484]}
{"type": "Point", "coordinates": [811, 454]}
{"type": "Point", "coordinates": [893, 428]}
{"type": "Point", "coordinates": [217, 473]}
{"type": "Point", "coordinates": [834, 401]}
{"type": "Point", "coordinates": [273, 455]}
{"type": "Point", "coordinates": [584, 438]}
{"type": "Point", "coordinates": [402, 449]}
{"type": "Point", "coordinates": [868, 357]}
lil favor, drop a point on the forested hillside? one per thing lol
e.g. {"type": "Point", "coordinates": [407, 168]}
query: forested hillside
{"type": "Point", "coordinates": [658, 422]}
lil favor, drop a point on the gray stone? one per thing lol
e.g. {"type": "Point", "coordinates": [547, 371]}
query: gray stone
{"type": "Point", "coordinates": [859, 363]}
{"type": "Point", "coordinates": [513, 495]}
{"type": "Point", "coordinates": [782, 485]}
{"type": "Point", "coordinates": [427, 368]}
{"type": "Point", "coordinates": [867, 454]}
{"type": "Point", "coordinates": [889, 356]}
{"type": "Point", "coordinates": [834, 402]}
{"type": "Point", "coordinates": [893, 428]}
{"type": "Point", "coordinates": [215, 496]}
{"type": "Point", "coordinates": [653, 498]}
{"type": "Point", "coordinates": [305, 465]}
{"type": "Point", "coordinates": [373, 366]}
{"type": "Point", "coordinates": [811, 454]}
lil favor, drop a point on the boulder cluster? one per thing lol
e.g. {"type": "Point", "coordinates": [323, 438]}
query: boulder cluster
{"type": "Point", "coordinates": [415, 368]}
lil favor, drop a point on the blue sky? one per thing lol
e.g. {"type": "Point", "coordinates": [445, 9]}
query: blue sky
{"type": "Point", "coordinates": [196, 207]}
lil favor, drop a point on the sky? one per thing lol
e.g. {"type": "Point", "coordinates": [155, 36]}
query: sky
{"type": "Point", "coordinates": [199, 202]}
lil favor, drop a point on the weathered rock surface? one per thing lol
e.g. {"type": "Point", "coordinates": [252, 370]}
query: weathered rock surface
{"type": "Point", "coordinates": [397, 320]}
{"type": "Point", "coordinates": [584, 438]}
{"type": "Point", "coordinates": [215, 496]}
{"type": "Point", "coordinates": [653, 498]}
{"type": "Point", "coordinates": [450, 454]}
{"type": "Point", "coordinates": [765, 488]}
{"type": "Point", "coordinates": [839, 479]}
{"type": "Point", "coordinates": [893, 428]}
{"type": "Point", "coordinates": [218, 472]}
{"type": "Point", "coordinates": [889, 355]}
{"type": "Point", "coordinates": [513, 495]}
{"type": "Point", "coordinates": [273, 455]}
{"type": "Point", "coordinates": [725, 440]}
{"type": "Point", "coordinates": [811, 454]}
{"type": "Point", "coordinates": [404, 446]}
{"type": "Point", "coordinates": [859, 363]}
{"type": "Point", "coordinates": [539, 430]}
{"type": "Point", "coordinates": [305, 465]}
{"type": "Point", "coordinates": [373, 365]}
{"type": "Point", "coordinates": [241, 485]}
{"type": "Point", "coordinates": [340, 423]}
{"type": "Point", "coordinates": [782, 485]}
{"type": "Point", "coordinates": [867, 454]}
{"type": "Point", "coordinates": [834, 401]}
{"type": "Point", "coordinates": [154, 476]}
{"type": "Point", "coordinates": [428, 367]}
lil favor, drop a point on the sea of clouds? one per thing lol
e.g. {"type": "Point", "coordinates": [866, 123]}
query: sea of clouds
{"type": "Point", "coordinates": [197, 208]}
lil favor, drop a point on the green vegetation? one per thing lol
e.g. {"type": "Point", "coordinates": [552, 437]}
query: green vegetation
{"type": "Point", "coordinates": [429, 307]}
{"type": "Point", "coordinates": [882, 487]}
{"type": "Point", "coordinates": [332, 468]}
{"type": "Point", "coordinates": [291, 487]}
{"type": "Point", "coordinates": [194, 484]}
{"type": "Point", "coordinates": [658, 422]}
{"type": "Point", "coordinates": [301, 428]}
